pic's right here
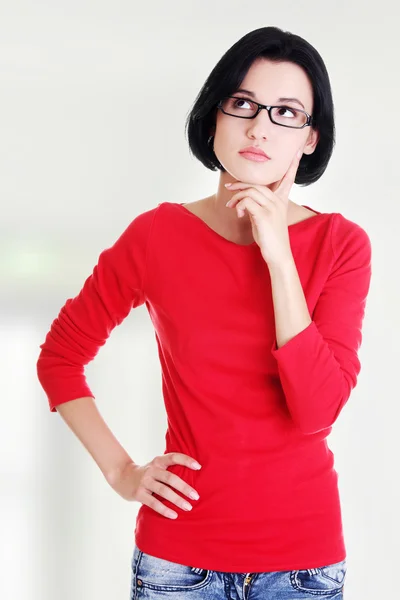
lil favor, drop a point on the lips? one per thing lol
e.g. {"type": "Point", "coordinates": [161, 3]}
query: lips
{"type": "Point", "coordinates": [254, 150]}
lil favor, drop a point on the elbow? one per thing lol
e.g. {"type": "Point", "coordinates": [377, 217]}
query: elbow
{"type": "Point", "coordinates": [315, 423]}
{"type": "Point", "coordinates": [321, 409]}
{"type": "Point", "coordinates": [311, 429]}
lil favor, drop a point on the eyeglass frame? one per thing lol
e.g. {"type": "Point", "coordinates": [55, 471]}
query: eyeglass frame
{"type": "Point", "coordinates": [308, 123]}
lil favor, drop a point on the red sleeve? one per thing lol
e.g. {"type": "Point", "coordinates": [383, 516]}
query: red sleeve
{"type": "Point", "coordinates": [84, 323]}
{"type": "Point", "coordinates": [319, 367]}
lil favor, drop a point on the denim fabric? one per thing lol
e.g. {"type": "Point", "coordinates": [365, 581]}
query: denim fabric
{"type": "Point", "coordinates": [157, 578]}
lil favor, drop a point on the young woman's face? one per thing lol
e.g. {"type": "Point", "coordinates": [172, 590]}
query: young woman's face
{"type": "Point", "coordinates": [269, 81]}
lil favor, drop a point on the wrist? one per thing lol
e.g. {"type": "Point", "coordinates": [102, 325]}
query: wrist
{"type": "Point", "coordinates": [116, 473]}
{"type": "Point", "coordinates": [282, 266]}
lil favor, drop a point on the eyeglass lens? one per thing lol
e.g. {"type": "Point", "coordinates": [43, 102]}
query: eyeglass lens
{"type": "Point", "coordinates": [282, 115]}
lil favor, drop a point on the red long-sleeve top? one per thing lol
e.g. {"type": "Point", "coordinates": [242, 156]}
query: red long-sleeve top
{"type": "Point", "coordinates": [255, 416]}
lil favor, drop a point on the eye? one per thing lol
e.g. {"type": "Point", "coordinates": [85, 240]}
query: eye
{"type": "Point", "coordinates": [292, 112]}
{"type": "Point", "coordinates": [236, 102]}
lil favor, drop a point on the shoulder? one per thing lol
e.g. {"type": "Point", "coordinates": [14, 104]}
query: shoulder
{"type": "Point", "coordinates": [352, 254]}
{"type": "Point", "coordinates": [142, 224]}
{"type": "Point", "coordinates": [348, 236]}
{"type": "Point", "coordinates": [152, 226]}
{"type": "Point", "coordinates": [134, 237]}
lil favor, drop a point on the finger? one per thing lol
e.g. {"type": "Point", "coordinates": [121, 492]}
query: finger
{"type": "Point", "coordinates": [165, 491]}
{"type": "Point", "coordinates": [241, 185]}
{"type": "Point", "coordinates": [261, 193]}
{"type": "Point", "coordinates": [253, 208]}
{"type": "Point", "coordinates": [174, 481]}
{"type": "Point", "coordinates": [254, 193]}
{"type": "Point", "coordinates": [158, 506]}
{"type": "Point", "coordinates": [287, 181]}
{"type": "Point", "coordinates": [173, 458]}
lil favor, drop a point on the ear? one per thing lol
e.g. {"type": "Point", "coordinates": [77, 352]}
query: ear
{"type": "Point", "coordinates": [312, 141]}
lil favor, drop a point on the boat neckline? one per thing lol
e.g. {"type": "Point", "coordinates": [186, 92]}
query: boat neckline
{"type": "Point", "coordinates": [254, 243]}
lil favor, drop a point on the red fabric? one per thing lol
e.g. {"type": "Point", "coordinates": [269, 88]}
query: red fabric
{"type": "Point", "coordinates": [256, 417]}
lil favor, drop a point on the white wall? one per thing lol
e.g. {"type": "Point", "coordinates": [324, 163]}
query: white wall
{"type": "Point", "coordinates": [72, 75]}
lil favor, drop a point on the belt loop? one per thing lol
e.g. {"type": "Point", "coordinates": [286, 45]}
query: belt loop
{"type": "Point", "coordinates": [197, 570]}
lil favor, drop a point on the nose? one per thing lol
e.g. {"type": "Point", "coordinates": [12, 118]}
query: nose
{"type": "Point", "coordinates": [260, 126]}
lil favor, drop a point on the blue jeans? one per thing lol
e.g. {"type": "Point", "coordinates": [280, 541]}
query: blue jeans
{"type": "Point", "coordinates": [156, 578]}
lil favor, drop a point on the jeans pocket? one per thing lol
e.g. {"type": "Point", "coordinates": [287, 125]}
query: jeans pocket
{"type": "Point", "coordinates": [156, 573]}
{"type": "Point", "coordinates": [327, 580]}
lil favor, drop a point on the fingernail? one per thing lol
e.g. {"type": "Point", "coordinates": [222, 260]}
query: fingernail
{"type": "Point", "coordinates": [196, 465]}
{"type": "Point", "coordinates": [299, 153]}
{"type": "Point", "coordinates": [227, 184]}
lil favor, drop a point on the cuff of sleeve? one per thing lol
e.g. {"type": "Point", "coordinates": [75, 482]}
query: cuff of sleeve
{"type": "Point", "coordinates": [57, 395]}
{"type": "Point", "coordinates": [301, 341]}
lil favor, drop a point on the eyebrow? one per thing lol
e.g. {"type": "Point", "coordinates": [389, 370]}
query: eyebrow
{"type": "Point", "coordinates": [279, 99]}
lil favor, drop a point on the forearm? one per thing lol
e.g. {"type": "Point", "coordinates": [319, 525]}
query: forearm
{"type": "Point", "coordinates": [317, 357]}
{"type": "Point", "coordinates": [84, 419]}
{"type": "Point", "coordinates": [290, 307]}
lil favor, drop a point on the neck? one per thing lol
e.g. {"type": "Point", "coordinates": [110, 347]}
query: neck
{"type": "Point", "coordinates": [217, 206]}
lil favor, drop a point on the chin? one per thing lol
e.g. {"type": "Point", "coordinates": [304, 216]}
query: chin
{"type": "Point", "coordinates": [254, 174]}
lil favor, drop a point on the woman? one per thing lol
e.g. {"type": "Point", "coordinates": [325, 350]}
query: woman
{"type": "Point", "coordinates": [257, 305]}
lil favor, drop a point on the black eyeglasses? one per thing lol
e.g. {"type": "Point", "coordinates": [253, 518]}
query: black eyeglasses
{"type": "Point", "coordinates": [286, 116]}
